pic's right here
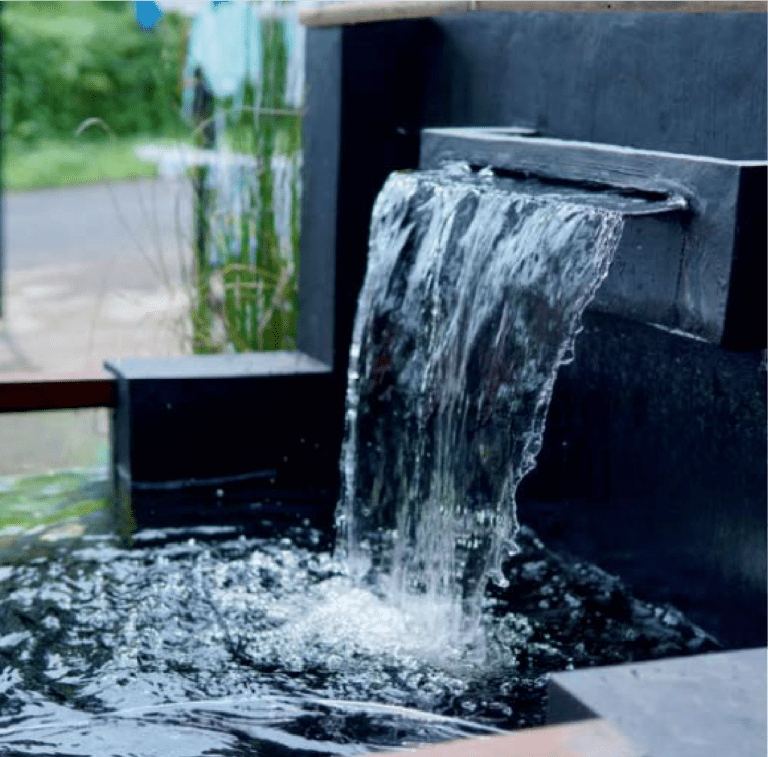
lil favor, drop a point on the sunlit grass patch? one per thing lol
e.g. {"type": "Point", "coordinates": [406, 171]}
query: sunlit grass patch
{"type": "Point", "coordinates": [52, 163]}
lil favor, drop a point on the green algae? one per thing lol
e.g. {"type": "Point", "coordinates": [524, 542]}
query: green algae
{"type": "Point", "coordinates": [43, 500]}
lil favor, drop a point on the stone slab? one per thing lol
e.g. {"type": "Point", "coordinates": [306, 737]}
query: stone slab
{"type": "Point", "coordinates": [701, 706]}
{"type": "Point", "coordinates": [693, 271]}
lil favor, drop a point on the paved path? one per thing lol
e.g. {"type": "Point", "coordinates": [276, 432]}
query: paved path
{"type": "Point", "coordinates": [91, 272]}
{"type": "Point", "coordinates": [97, 222]}
{"type": "Point", "coordinates": [94, 272]}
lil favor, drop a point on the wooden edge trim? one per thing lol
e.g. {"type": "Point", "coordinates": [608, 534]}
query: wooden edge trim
{"type": "Point", "coordinates": [587, 738]}
{"type": "Point", "coordinates": [23, 392]}
{"type": "Point", "coordinates": [361, 12]}
{"type": "Point", "coordinates": [351, 12]}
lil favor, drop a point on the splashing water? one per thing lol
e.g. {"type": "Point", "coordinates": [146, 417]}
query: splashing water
{"type": "Point", "coordinates": [472, 300]}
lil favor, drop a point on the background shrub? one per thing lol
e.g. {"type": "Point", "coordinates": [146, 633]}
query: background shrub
{"type": "Point", "coordinates": [65, 62]}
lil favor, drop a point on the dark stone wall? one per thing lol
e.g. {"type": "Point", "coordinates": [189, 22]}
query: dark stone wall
{"type": "Point", "coordinates": [686, 82]}
{"type": "Point", "coordinates": [654, 462]}
{"type": "Point", "coordinates": [654, 467]}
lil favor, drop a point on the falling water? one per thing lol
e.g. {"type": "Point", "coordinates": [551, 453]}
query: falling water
{"type": "Point", "coordinates": [472, 299]}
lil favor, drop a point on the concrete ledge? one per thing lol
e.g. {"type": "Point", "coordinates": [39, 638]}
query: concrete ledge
{"type": "Point", "coordinates": [703, 706]}
{"type": "Point", "coordinates": [222, 438]}
{"type": "Point", "coordinates": [588, 739]}
{"type": "Point", "coordinates": [278, 363]}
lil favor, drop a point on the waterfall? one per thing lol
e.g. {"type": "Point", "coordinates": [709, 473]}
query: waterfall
{"type": "Point", "coordinates": [472, 299]}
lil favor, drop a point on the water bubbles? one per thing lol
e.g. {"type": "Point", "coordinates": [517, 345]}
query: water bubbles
{"type": "Point", "coordinates": [455, 170]}
{"type": "Point", "coordinates": [50, 623]}
{"type": "Point", "coordinates": [486, 173]}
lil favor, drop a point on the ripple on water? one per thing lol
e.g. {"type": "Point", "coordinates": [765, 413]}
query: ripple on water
{"type": "Point", "coordinates": [246, 645]}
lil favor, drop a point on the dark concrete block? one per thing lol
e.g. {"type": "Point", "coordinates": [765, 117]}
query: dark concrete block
{"type": "Point", "coordinates": [704, 706]}
{"type": "Point", "coordinates": [320, 180]}
{"type": "Point", "coordinates": [365, 96]}
{"type": "Point", "coordinates": [653, 467]}
{"type": "Point", "coordinates": [225, 438]}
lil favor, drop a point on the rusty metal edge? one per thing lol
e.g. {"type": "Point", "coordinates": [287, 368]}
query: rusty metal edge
{"type": "Point", "coordinates": [22, 392]}
{"type": "Point", "coordinates": [356, 12]}
{"type": "Point", "coordinates": [584, 739]}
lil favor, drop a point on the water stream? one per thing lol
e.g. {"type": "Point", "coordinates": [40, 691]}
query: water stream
{"type": "Point", "coordinates": [472, 300]}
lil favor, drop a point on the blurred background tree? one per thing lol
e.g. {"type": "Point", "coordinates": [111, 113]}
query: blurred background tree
{"type": "Point", "coordinates": [66, 62]}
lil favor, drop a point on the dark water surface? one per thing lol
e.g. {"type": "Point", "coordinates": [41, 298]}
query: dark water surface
{"type": "Point", "coordinates": [202, 646]}
{"type": "Point", "coordinates": [212, 643]}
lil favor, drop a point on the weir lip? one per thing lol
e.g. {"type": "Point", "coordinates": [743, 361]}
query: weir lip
{"type": "Point", "coordinates": [629, 201]}
{"type": "Point", "coordinates": [692, 271]}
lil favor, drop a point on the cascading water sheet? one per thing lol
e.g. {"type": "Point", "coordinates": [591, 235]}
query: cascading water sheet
{"type": "Point", "coordinates": [472, 300]}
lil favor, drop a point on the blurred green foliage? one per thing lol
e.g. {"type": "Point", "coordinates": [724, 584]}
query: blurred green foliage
{"type": "Point", "coordinates": [64, 62]}
{"type": "Point", "coordinates": [67, 62]}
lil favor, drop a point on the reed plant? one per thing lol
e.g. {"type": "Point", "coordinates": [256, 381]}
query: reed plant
{"type": "Point", "coordinates": [247, 241]}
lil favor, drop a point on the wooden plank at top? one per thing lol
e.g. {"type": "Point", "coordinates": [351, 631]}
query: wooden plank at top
{"type": "Point", "coordinates": [584, 739]}
{"type": "Point", "coordinates": [21, 392]}
{"type": "Point", "coordinates": [364, 12]}
{"type": "Point", "coordinates": [356, 12]}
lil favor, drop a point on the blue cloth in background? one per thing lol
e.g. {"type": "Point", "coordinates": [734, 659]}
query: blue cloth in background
{"type": "Point", "coordinates": [147, 14]}
{"type": "Point", "coordinates": [225, 42]}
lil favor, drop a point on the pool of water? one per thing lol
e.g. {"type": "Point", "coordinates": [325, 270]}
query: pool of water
{"type": "Point", "coordinates": [214, 641]}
